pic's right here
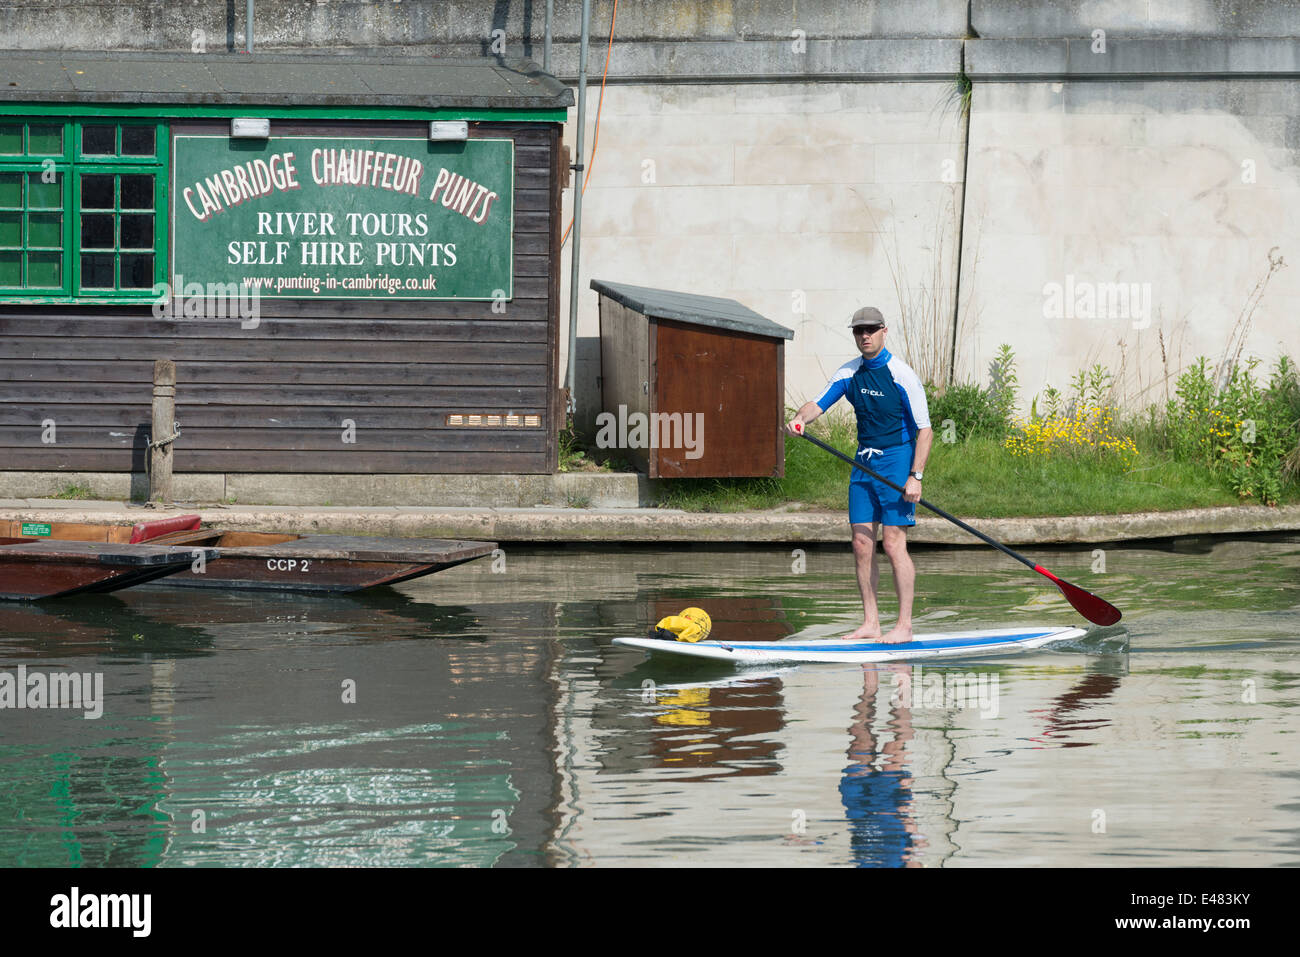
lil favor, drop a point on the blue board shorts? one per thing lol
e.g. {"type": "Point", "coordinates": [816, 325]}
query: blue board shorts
{"type": "Point", "coordinates": [872, 501]}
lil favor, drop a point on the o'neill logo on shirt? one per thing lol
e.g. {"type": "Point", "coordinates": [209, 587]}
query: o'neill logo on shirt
{"type": "Point", "coordinates": [880, 395]}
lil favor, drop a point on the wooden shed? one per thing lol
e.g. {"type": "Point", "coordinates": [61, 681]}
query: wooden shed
{"type": "Point", "coordinates": [691, 386]}
{"type": "Point", "coordinates": [397, 218]}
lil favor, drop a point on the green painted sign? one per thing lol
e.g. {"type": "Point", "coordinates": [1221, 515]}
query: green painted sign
{"type": "Point", "coordinates": [312, 217]}
{"type": "Point", "coordinates": [34, 529]}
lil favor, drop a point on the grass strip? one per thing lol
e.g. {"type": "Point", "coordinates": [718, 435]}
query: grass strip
{"type": "Point", "coordinates": [972, 478]}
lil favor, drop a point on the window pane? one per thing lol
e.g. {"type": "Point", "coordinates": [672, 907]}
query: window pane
{"type": "Point", "coordinates": [137, 141]}
{"type": "Point", "coordinates": [11, 229]}
{"type": "Point", "coordinates": [11, 138]}
{"type": "Point", "coordinates": [137, 270]}
{"type": "Point", "coordinates": [137, 192]}
{"type": "Point", "coordinates": [11, 190]}
{"type": "Point", "coordinates": [97, 231]}
{"type": "Point", "coordinates": [137, 230]}
{"type": "Point", "coordinates": [11, 272]}
{"type": "Point", "coordinates": [42, 195]}
{"type": "Point", "coordinates": [97, 191]}
{"type": "Point", "coordinates": [45, 229]}
{"type": "Point", "coordinates": [97, 270]}
{"type": "Point", "coordinates": [45, 269]}
{"type": "Point", "coordinates": [99, 140]}
{"type": "Point", "coordinates": [45, 140]}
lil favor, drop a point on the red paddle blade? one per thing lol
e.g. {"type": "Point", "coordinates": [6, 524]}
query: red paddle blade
{"type": "Point", "coordinates": [1096, 610]}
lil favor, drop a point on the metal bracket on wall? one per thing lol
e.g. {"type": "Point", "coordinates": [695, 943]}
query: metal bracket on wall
{"type": "Point", "coordinates": [159, 443]}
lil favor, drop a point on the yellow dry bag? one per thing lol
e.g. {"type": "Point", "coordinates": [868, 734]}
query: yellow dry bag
{"type": "Point", "coordinates": [693, 624]}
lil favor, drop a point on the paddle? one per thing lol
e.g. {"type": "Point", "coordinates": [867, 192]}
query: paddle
{"type": "Point", "coordinates": [1096, 610]}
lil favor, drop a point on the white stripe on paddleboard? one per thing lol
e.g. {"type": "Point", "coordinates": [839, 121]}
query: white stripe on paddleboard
{"type": "Point", "coordinates": [954, 644]}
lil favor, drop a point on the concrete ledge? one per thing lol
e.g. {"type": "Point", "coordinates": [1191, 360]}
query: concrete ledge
{"type": "Point", "coordinates": [920, 59]}
{"type": "Point", "coordinates": [575, 489]}
{"type": "Point", "coordinates": [750, 61]}
{"type": "Point", "coordinates": [923, 58]}
{"type": "Point", "coordinates": [1179, 58]}
{"type": "Point", "coordinates": [545, 525]}
{"type": "Point", "coordinates": [740, 59]}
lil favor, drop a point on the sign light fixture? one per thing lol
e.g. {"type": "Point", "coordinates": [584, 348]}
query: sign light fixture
{"type": "Point", "coordinates": [250, 128]}
{"type": "Point", "coordinates": [448, 130]}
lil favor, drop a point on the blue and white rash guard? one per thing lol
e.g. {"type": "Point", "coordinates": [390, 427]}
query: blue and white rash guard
{"type": "Point", "coordinates": [887, 396]}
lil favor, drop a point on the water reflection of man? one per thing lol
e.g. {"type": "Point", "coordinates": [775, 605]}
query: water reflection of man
{"type": "Point", "coordinates": [878, 800]}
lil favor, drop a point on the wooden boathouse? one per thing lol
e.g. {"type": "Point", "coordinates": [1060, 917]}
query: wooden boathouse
{"type": "Point", "coordinates": [351, 261]}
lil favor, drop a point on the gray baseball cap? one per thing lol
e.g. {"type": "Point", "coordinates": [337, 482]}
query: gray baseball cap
{"type": "Point", "coordinates": [866, 316]}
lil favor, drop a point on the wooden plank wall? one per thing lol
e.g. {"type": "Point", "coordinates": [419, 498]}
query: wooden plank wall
{"type": "Point", "coordinates": [274, 398]}
{"type": "Point", "coordinates": [735, 380]}
{"type": "Point", "coordinates": [625, 368]}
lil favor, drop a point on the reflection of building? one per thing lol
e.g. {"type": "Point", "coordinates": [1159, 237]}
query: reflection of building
{"type": "Point", "coordinates": [736, 618]}
{"type": "Point", "coordinates": [246, 753]}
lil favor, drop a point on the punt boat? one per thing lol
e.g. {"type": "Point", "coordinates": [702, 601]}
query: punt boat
{"type": "Point", "coordinates": [32, 568]}
{"type": "Point", "coordinates": [329, 564]}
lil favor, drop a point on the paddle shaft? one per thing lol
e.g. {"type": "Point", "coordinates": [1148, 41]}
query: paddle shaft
{"type": "Point", "coordinates": [1096, 610]}
{"type": "Point", "coordinates": [934, 508]}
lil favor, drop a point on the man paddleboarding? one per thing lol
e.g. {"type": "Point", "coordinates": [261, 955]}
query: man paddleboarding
{"type": "Point", "coordinates": [894, 438]}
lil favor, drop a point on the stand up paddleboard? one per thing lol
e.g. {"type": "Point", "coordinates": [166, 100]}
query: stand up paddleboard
{"type": "Point", "coordinates": [958, 644]}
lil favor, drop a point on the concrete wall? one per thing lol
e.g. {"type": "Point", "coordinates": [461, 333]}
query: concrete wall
{"type": "Point", "coordinates": [464, 25]}
{"type": "Point", "coordinates": [802, 203]}
{"type": "Point", "coordinates": [808, 158]}
{"type": "Point", "coordinates": [1176, 191]}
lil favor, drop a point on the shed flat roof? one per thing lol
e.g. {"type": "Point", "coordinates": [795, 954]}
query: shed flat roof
{"type": "Point", "coordinates": [60, 76]}
{"type": "Point", "coordinates": [688, 307]}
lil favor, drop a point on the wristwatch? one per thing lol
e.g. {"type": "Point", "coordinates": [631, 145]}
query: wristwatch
{"type": "Point", "coordinates": [917, 475]}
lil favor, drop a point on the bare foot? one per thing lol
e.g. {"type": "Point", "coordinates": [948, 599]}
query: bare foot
{"type": "Point", "coordinates": [865, 632]}
{"type": "Point", "coordinates": [899, 634]}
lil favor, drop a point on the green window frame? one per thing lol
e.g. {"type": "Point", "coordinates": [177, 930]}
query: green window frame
{"type": "Point", "coordinates": [83, 209]}
{"type": "Point", "coordinates": [33, 233]}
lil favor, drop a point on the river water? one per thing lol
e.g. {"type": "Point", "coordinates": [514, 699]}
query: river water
{"type": "Point", "coordinates": [482, 717]}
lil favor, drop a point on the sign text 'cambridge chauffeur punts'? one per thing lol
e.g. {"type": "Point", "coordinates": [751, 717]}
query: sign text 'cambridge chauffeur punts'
{"type": "Point", "coordinates": [308, 217]}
